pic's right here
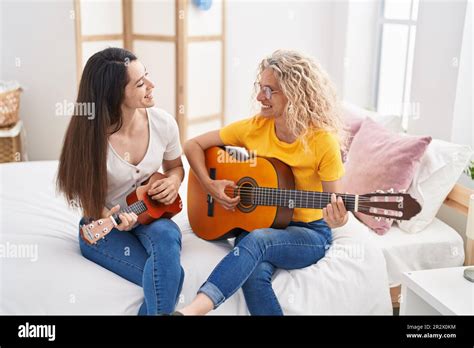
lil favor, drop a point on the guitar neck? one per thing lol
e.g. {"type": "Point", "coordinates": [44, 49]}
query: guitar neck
{"type": "Point", "coordinates": [300, 199]}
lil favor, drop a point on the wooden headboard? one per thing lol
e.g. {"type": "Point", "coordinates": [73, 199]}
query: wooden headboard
{"type": "Point", "coordinates": [459, 199]}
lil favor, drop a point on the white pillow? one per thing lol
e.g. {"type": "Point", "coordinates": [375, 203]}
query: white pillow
{"type": "Point", "coordinates": [439, 170]}
{"type": "Point", "coordinates": [391, 122]}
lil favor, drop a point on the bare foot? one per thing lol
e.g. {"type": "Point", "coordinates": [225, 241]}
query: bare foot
{"type": "Point", "coordinates": [201, 305]}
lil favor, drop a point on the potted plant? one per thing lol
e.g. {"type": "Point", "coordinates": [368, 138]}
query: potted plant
{"type": "Point", "coordinates": [470, 170]}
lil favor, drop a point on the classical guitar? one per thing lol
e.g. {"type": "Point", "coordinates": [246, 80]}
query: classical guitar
{"type": "Point", "coordinates": [140, 203]}
{"type": "Point", "coordinates": [267, 197]}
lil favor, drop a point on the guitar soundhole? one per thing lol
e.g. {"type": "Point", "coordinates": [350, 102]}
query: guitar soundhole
{"type": "Point", "coordinates": [245, 191]}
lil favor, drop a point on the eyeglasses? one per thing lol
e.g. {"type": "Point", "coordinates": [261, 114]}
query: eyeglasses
{"type": "Point", "coordinates": [267, 91]}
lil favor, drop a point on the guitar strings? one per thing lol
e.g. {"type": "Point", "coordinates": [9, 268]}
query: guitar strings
{"type": "Point", "coordinates": [265, 194]}
{"type": "Point", "coordinates": [348, 200]}
{"type": "Point", "coordinates": [262, 190]}
{"type": "Point", "coordinates": [361, 205]}
{"type": "Point", "coordinates": [249, 192]}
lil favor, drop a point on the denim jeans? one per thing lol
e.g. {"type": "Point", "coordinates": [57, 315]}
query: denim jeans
{"type": "Point", "coordinates": [255, 257]}
{"type": "Point", "coordinates": [149, 256]}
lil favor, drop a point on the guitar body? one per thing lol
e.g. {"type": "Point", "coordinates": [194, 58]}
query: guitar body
{"type": "Point", "coordinates": [211, 221]}
{"type": "Point", "coordinates": [155, 210]}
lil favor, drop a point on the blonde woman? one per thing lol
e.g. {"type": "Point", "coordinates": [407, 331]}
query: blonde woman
{"type": "Point", "coordinates": [298, 124]}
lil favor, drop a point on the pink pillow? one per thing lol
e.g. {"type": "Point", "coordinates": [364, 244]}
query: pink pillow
{"type": "Point", "coordinates": [353, 116]}
{"type": "Point", "coordinates": [352, 123]}
{"type": "Point", "coordinates": [379, 159]}
{"type": "Point", "coordinates": [352, 126]}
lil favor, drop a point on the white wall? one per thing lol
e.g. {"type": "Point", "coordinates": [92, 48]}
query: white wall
{"type": "Point", "coordinates": [463, 121]}
{"type": "Point", "coordinates": [41, 36]}
{"type": "Point", "coordinates": [338, 43]}
{"type": "Point", "coordinates": [446, 101]}
{"type": "Point", "coordinates": [254, 29]}
{"type": "Point", "coordinates": [435, 72]}
{"type": "Point", "coordinates": [2, 49]}
{"type": "Point", "coordinates": [354, 50]}
{"type": "Point", "coordinates": [360, 53]}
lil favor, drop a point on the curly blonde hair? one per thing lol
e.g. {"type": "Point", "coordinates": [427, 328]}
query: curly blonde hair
{"type": "Point", "coordinates": [312, 99]}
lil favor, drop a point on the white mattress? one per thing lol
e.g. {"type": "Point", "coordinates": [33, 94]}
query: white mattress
{"type": "Point", "coordinates": [437, 246]}
{"type": "Point", "coordinates": [350, 279]}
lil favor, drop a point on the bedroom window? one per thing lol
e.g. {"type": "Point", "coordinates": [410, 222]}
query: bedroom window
{"type": "Point", "coordinates": [397, 31]}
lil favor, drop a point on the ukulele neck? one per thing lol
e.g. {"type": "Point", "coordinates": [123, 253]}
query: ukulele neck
{"type": "Point", "coordinates": [138, 208]}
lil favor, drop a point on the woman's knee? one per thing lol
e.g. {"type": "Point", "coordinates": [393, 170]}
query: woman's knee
{"type": "Point", "coordinates": [163, 232]}
{"type": "Point", "coordinates": [258, 239]}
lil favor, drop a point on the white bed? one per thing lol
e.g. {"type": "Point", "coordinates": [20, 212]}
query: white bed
{"type": "Point", "coordinates": [437, 246]}
{"type": "Point", "coordinates": [51, 276]}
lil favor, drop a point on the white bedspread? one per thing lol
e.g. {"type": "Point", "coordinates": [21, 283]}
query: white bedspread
{"type": "Point", "coordinates": [437, 246]}
{"type": "Point", "coordinates": [43, 272]}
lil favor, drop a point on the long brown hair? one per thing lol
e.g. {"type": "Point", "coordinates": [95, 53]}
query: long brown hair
{"type": "Point", "coordinates": [82, 173]}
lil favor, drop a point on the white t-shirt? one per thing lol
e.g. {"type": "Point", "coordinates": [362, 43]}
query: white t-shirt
{"type": "Point", "coordinates": [124, 177]}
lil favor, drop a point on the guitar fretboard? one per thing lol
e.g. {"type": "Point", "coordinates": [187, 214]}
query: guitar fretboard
{"type": "Point", "coordinates": [298, 198]}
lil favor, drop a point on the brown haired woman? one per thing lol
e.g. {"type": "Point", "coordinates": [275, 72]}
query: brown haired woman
{"type": "Point", "coordinates": [105, 157]}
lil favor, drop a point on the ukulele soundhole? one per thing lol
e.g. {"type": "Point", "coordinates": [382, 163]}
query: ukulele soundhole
{"type": "Point", "coordinates": [246, 193]}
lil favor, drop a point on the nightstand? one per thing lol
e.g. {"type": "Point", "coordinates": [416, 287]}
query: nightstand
{"type": "Point", "coordinates": [442, 291]}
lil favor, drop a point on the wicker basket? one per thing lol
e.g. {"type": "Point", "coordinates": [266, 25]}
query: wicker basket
{"type": "Point", "coordinates": [9, 107]}
{"type": "Point", "coordinates": [10, 144]}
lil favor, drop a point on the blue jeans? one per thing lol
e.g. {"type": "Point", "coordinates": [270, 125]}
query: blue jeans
{"type": "Point", "coordinates": [149, 256]}
{"type": "Point", "coordinates": [255, 257]}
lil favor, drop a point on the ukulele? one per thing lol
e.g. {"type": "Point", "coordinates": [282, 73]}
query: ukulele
{"type": "Point", "coordinates": [267, 197]}
{"type": "Point", "coordinates": [140, 203]}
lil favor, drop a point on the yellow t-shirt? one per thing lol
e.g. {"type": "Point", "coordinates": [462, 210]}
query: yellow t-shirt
{"type": "Point", "coordinates": [321, 162]}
